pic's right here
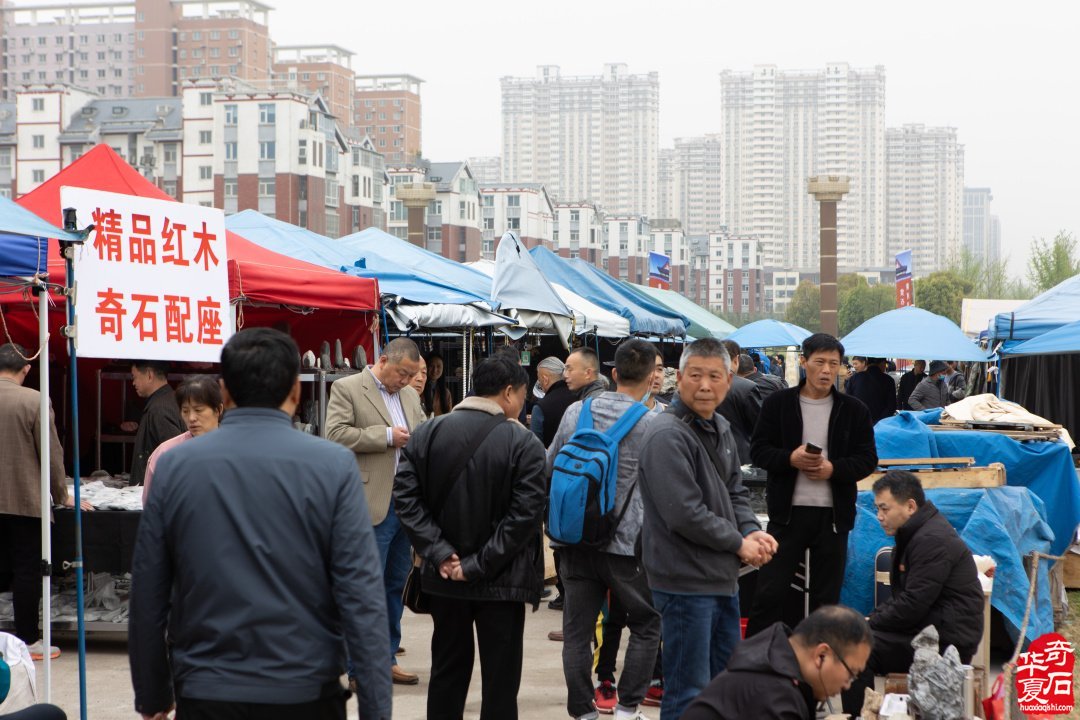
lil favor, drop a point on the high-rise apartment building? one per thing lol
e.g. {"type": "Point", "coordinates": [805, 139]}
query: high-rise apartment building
{"type": "Point", "coordinates": [126, 48]}
{"type": "Point", "coordinates": [982, 232]}
{"type": "Point", "coordinates": [524, 208]}
{"type": "Point", "coordinates": [665, 183]}
{"type": "Point", "coordinates": [386, 108]}
{"type": "Point", "coordinates": [924, 187]}
{"type": "Point", "coordinates": [591, 137]}
{"type": "Point", "coordinates": [580, 232]}
{"type": "Point", "coordinates": [696, 182]}
{"type": "Point", "coordinates": [781, 127]}
{"type": "Point", "coordinates": [629, 240]}
{"type": "Point", "coordinates": [487, 170]}
{"type": "Point", "coordinates": [323, 69]}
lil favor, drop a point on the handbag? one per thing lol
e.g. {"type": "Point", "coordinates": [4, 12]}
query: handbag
{"type": "Point", "coordinates": [413, 595]}
{"type": "Point", "coordinates": [994, 706]}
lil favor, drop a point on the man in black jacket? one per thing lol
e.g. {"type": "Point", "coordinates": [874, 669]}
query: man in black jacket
{"type": "Point", "coordinates": [479, 536]}
{"type": "Point", "coordinates": [160, 419]}
{"type": "Point", "coordinates": [783, 675]}
{"type": "Point", "coordinates": [933, 580]}
{"type": "Point", "coordinates": [908, 381]}
{"type": "Point", "coordinates": [741, 406]}
{"type": "Point", "coordinates": [815, 444]}
{"type": "Point", "coordinates": [876, 389]}
{"type": "Point", "coordinates": [548, 411]}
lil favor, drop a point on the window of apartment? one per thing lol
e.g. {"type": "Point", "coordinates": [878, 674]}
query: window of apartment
{"type": "Point", "coordinates": [215, 52]}
{"type": "Point", "coordinates": [42, 40]}
{"type": "Point", "coordinates": [118, 73]}
{"type": "Point", "coordinates": [39, 104]}
{"type": "Point", "coordinates": [332, 192]}
{"type": "Point", "coordinates": [461, 209]}
{"type": "Point", "coordinates": [39, 141]}
{"type": "Point", "coordinates": [84, 74]}
{"type": "Point", "coordinates": [302, 157]}
{"type": "Point", "coordinates": [267, 150]}
{"type": "Point", "coordinates": [234, 34]}
{"type": "Point", "coordinates": [231, 188]}
{"type": "Point", "coordinates": [196, 35]}
{"type": "Point", "coordinates": [234, 51]}
{"type": "Point", "coordinates": [196, 53]}
{"type": "Point", "coordinates": [205, 137]}
{"type": "Point", "coordinates": [183, 55]}
{"type": "Point", "coordinates": [513, 201]}
{"type": "Point", "coordinates": [230, 115]}
{"type": "Point", "coordinates": [39, 176]}
{"type": "Point", "coordinates": [230, 151]}
{"type": "Point", "coordinates": [332, 225]}
{"type": "Point", "coordinates": [489, 224]}
{"type": "Point", "coordinates": [234, 69]}
{"type": "Point", "coordinates": [41, 58]}
{"type": "Point", "coordinates": [215, 70]}
{"type": "Point", "coordinates": [117, 37]}
{"type": "Point", "coordinates": [101, 56]}
{"type": "Point", "coordinates": [382, 116]}
{"type": "Point", "coordinates": [206, 172]}
{"type": "Point", "coordinates": [435, 207]}
{"type": "Point", "coordinates": [513, 223]}
{"type": "Point", "coordinates": [206, 99]}
{"type": "Point", "coordinates": [267, 188]}
{"type": "Point", "coordinates": [487, 200]}
{"type": "Point", "coordinates": [170, 153]}
{"type": "Point", "coordinates": [356, 184]}
{"type": "Point", "coordinates": [101, 39]}
{"type": "Point", "coordinates": [101, 73]}
{"type": "Point", "coordinates": [5, 157]}
{"type": "Point", "coordinates": [215, 34]}
{"type": "Point", "coordinates": [267, 114]}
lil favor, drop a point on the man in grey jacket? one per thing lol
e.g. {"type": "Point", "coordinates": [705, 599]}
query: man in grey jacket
{"type": "Point", "coordinates": [698, 526]}
{"type": "Point", "coordinates": [588, 573]}
{"type": "Point", "coordinates": [932, 392]}
{"type": "Point", "coordinates": [255, 566]}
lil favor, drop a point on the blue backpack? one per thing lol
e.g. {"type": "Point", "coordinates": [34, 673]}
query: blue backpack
{"type": "Point", "coordinates": [581, 510]}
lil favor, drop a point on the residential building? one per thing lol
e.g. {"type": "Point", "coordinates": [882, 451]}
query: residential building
{"type": "Point", "coordinates": [452, 218]}
{"type": "Point", "coordinates": [665, 183]}
{"type": "Point", "coordinates": [487, 170]}
{"type": "Point", "coordinates": [979, 225]}
{"type": "Point", "coordinates": [668, 238]}
{"type": "Point", "coordinates": [924, 186]}
{"type": "Point", "coordinates": [629, 240]}
{"type": "Point", "coordinates": [580, 232]}
{"type": "Point", "coordinates": [323, 69]}
{"type": "Point", "coordinates": [41, 112]}
{"type": "Point", "coordinates": [781, 127]}
{"type": "Point", "coordinates": [524, 208]}
{"type": "Point", "coordinates": [387, 109]}
{"type": "Point", "coordinates": [698, 286]}
{"type": "Point", "coordinates": [780, 286]}
{"type": "Point", "coordinates": [593, 137]}
{"type": "Point", "coordinates": [995, 238]}
{"type": "Point", "coordinates": [367, 190]}
{"type": "Point", "coordinates": [729, 274]}
{"type": "Point", "coordinates": [696, 184]}
{"type": "Point", "coordinates": [8, 149]}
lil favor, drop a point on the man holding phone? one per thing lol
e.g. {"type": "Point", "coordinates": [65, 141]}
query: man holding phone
{"type": "Point", "coordinates": [815, 444]}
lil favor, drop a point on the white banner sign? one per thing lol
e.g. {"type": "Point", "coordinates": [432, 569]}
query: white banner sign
{"type": "Point", "coordinates": [152, 277]}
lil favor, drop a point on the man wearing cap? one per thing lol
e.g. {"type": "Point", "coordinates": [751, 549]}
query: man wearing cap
{"type": "Point", "coordinates": [932, 392]}
{"type": "Point", "coordinates": [547, 412]}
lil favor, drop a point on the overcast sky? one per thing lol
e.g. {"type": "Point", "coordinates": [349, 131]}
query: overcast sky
{"type": "Point", "coordinates": [1004, 75]}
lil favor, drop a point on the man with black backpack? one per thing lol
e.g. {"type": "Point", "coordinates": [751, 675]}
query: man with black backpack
{"type": "Point", "coordinates": [698, 526]}
{"type": "Point", "coordinates": [594, 456]}
{"type": "Point", "coordinates": [470, 495]}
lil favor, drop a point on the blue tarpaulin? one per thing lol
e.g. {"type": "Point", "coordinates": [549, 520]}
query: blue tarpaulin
{"type": "Point", "coordinates": [24, 240]}
{"type": "Point", "coordinates": [1064, 340]}
{"type": "Point", "coordinates": [1056, 307]}
{"type": "Point", "coordinates": [768, 334]}
{"type": "Point", "coordinates": [646, 317]}
{"type": "Point", "coordinates": [303, 244]}
{"type": "Point", "coordinates": [1006, 523]}
{"type": "Point", "coordinates": [912, 332]}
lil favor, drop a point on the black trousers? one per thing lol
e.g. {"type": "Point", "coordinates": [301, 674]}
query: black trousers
{"type": "Point", "coordinates": [611, 638]}
{"type": "Point", "coordinates": [500, 629]}
{"type": "Point", "coordinates": [20, 543]}
{"type": "Point", "coordinates": [810, 528]}
{"type": "Point", "coordinates": [40, 711]}
{"type": "Point", "coordinates": [330, 707]}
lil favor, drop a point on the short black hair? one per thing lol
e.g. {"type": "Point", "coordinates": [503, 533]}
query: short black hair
{"type": "Point", "coordinates": [495, 373]}
{"type": "Point", "coordinates": [635, 360]}
{"type": "Point", "coordinates": [733, 348]}
{"type": "Point", "coordinates": [200, 390]}
{"type": "Point", "coordinates": [156, 367]}
{"type": "Point", "coordinates": [903, 485]}
{"type": "Point", "coordinates": [821, 342]}
{"type": "Point", "coordinates": [838, 626]}
{"type": "Point", "coordinates": [589, 356]}
{"type": "Point", "coordinates": [259, 367]}
{"type": "Point", "coordinates": [12, 358]}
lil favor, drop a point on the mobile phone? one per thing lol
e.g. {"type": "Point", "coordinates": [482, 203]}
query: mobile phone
{"type": "Point", "coordinates": [813, 449]}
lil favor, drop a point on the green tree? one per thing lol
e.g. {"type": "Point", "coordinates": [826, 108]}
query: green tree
{"type": "Point", "coordinates": [1052, 263]}
{"type": "Point", "coordinates": [862, 302]}
{"type": "Point", "coordinates": [942, 293]}
{"type": "Point", "coordinates": [989, 278]}
{"type": "Point", "coordinates": [804, 309]}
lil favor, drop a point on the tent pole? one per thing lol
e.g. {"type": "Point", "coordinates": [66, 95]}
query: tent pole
{"type": "Point", "coordinates": [42, 292]}
{"type": "Point", "coordinates": [68, 251]}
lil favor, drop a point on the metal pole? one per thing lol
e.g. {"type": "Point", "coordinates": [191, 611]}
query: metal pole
{"type": "Point", "coordinates": [46, 505]}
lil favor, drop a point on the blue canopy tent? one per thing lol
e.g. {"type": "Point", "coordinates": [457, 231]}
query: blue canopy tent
{"type": "Point", "coordinates": [24, 244]}
{"type": "Point", "coordinates": [1056, 307]}
{"type": "Point", "coordinates": [768, 334]}
{"type": "Point", "coordinates": [1062, 341]}
{"type": "Point", "coordinates": [912, 332]}
{"type": "Point", "coordinates": [703, 324]}
{"type": "Point", "coordinates": [646, 316]}
{"type": "Point", "coordinates": [412, 298]}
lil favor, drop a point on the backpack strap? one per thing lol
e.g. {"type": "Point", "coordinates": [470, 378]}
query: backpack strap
{"type": "Point", "coordinates": [627, 422]}
{"type": "Point", "coordinates": [585, 420]}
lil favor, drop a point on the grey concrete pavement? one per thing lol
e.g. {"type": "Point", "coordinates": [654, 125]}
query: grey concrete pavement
{"type": "Point", "coordinates": [542, 695]}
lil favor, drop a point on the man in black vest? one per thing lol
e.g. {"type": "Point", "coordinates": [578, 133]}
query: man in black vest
{"type": "Point", "coordinates": [548, 411]}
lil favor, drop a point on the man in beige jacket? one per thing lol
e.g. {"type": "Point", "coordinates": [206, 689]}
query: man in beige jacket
{"type": "Point", "coordinates": [372, 413]}
{"type": "Point", "coordinates": [20, 489]}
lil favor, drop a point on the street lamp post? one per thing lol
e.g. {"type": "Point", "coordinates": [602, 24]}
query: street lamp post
{"type": "Point", "coordinates": [828, 190]}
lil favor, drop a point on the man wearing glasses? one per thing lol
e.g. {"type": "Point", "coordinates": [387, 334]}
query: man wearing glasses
{"type": "Point", "coordinates": [781, 675]}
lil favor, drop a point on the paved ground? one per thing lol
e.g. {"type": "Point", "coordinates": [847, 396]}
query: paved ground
{"type": "Point", "coordinates": [543, 691]}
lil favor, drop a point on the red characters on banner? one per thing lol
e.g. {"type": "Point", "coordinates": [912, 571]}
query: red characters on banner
{"type": "Point", "coordinates": [111, 313]}
{"type": "Point", "coordinates": [1044, 676]}
{"type": "Point", "coordinates": [209, 321]}
{"type": "Point", "coordinates": [142, 248]}
{"type": "Point", "coordinates": [145, 321]}
{"type": "Point", "coordinates": [205, 251]}
{"type": "Point", "coordinates": [107, 234]}
{"type": "Point", "coordinates": [173, 252]}
{"type": "Point", "coordinates": [177, 317]}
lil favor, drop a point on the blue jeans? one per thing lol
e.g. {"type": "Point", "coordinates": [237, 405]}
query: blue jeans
{"type": "Point", "coordinates": [396, 558]}
{"type": "Point", "coordinates": [700, 632]}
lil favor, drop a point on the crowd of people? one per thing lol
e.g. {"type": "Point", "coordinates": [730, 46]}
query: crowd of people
{"type": "Point", "coordinates": [269, 562]}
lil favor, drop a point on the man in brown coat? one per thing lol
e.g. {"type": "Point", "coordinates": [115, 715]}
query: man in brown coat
{"type": "Point", "coordinates": [373, 413]}
{"type": "Point", "coordinates": [20, 489]}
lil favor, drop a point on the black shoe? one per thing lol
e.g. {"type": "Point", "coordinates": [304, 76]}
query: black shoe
{"type": "Point", "coordinates": [557, 603]}
{"type": "Point", "coordinates": [546, 594]}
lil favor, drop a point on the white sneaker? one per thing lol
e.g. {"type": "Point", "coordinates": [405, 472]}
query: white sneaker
{"type": "Point", "coordinates": [621, 714]}
{"type": "Point", "coordinates": [37, 651]}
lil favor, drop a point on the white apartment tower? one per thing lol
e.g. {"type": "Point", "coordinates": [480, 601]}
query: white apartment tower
{"type": "Point", "coordinates": [781, 127]}
{"type": "Point", "coordinates": [925, 190]}
{"type": "Point", "coordinates": [696, 184]}
{"type": "Point", "coordinates": [982, 232]}
{"type": "Point", "coordinates": [585, 137]}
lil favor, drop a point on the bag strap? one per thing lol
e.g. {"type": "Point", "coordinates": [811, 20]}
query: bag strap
{"type": "Point", "coordinates": [585, 421]}
{"type": "Point", "coordinates": [627, 422]}
{"type": "Point", "coordinates": [710, 449]}
{"type": "Point", "coordinates": [457, 467]}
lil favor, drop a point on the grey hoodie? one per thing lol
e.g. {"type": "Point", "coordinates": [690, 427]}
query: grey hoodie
{"type": "Point", "coordinates": [695, 516]}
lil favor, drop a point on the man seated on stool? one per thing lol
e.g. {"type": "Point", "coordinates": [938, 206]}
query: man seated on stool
{"type": "Point", "coordinates": [934, 582]}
